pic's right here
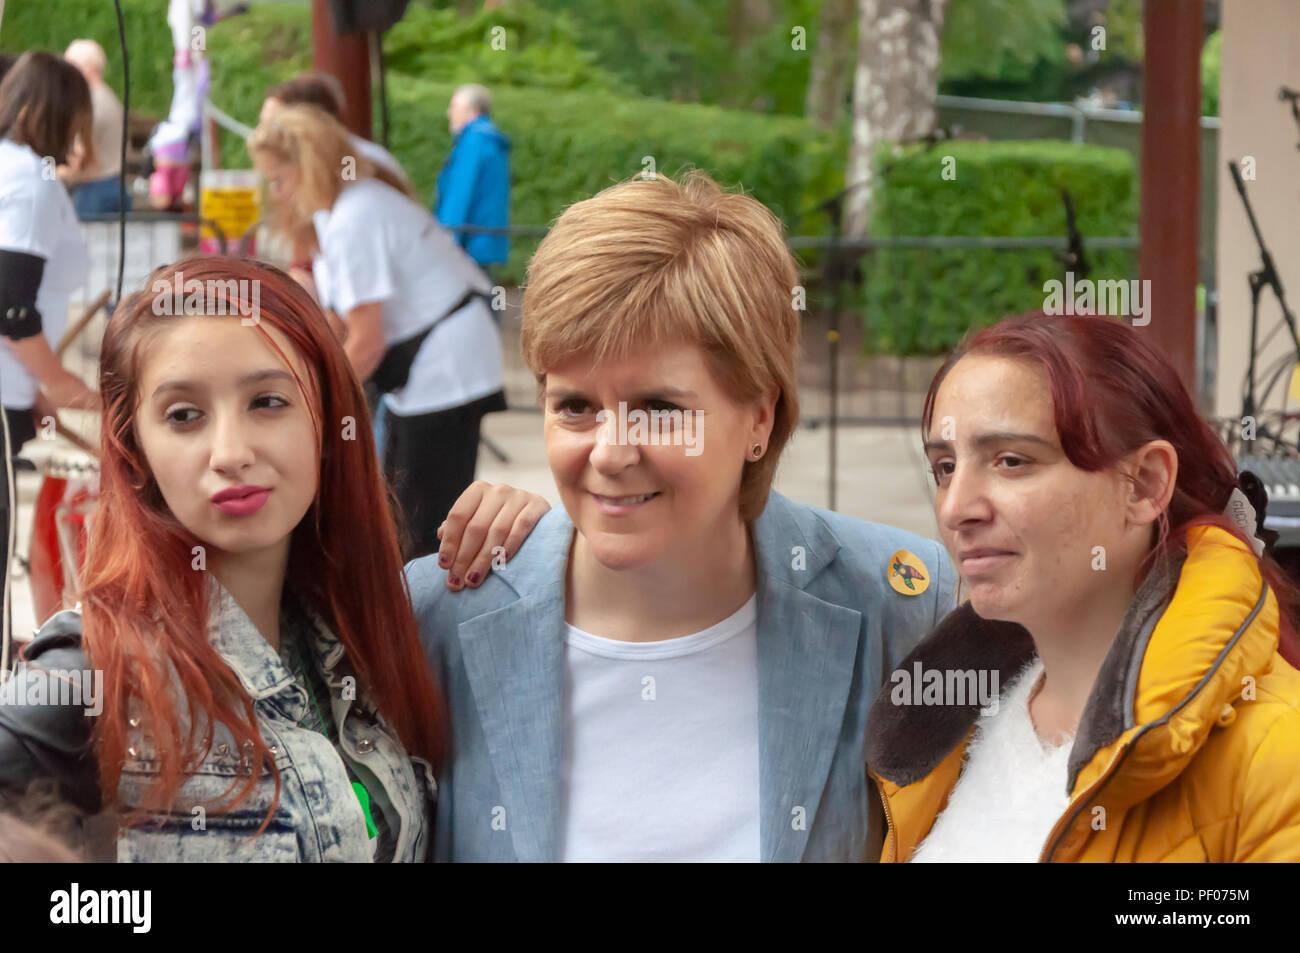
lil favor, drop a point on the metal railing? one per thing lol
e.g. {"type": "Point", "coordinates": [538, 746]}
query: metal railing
{"type": "Point", "coordinates": [1077, 113]}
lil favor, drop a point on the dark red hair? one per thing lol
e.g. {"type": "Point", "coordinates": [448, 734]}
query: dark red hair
{"type": "Point", "coordinates": [1112, 392]}
{"type": "Point", "coordinates": [144, 608]}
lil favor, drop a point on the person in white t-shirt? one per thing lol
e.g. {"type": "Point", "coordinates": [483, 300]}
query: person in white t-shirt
{"type": "Point", "coordinates": [44, 105]}
{"type": "Point", "coordinates": [411, 305]}
{"type": "Point", "coordinates": [324, 91]}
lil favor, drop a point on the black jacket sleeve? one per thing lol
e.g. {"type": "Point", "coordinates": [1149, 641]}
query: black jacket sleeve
{"type": "Point", "coordinates": [20, 280]}
{"type": "Point", "coordinates": [48, 741]}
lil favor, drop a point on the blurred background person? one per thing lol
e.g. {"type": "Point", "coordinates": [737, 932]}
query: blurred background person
{"type": "Point", "coordinates": [474, 184]}
{"type": "Point", "coordinates": [325, 92]}
{"type": "Point", "coordinates": [171, 141]}
{"type": "Point", "coordinates": [96, 189]}
{"type": "Point", "coordinates": [409, 306]}
{"type": "Point", "coordinates": [44, 105]}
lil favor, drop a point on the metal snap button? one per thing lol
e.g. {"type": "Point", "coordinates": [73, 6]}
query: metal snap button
{"type": "Point", "coordinates": [365, 746]}
{"type": "Point", "coordinates": [133, 722]}
{"type": "Point", "coordinates": [133, 752]}
{"type": "Point", "coordinates": [223, 749]}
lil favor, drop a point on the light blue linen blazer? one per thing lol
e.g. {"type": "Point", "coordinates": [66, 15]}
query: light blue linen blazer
{"type": "Point", "coordinates": [830, 631]}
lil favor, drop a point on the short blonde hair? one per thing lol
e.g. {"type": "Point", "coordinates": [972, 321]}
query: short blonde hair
{"type": "Point", "coordinates": [653, 260]}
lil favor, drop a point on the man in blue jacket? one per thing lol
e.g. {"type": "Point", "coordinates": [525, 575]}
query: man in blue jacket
{"type": "Point", "coordinates": [474, 185]}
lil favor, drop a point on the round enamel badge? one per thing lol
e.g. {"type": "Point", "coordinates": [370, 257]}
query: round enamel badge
{"type": "Point", "coordinates": [907, 574]}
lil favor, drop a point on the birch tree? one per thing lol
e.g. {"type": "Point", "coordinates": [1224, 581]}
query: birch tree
{"type": "Point", "coordinates": [895, 85]}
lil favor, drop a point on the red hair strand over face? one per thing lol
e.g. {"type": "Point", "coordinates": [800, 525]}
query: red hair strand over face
{"type": "Point", "coordinates": [143, 605]}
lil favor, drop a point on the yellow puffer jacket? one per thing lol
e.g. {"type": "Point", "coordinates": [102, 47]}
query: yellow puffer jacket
{"type": "Point", "coordinates": [1189, 745]}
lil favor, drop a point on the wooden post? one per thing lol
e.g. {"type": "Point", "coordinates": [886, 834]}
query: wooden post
{"type": "Point", "coordinates": [348, 59]}
{"type": "Point", "coordinates": [1171, 177]}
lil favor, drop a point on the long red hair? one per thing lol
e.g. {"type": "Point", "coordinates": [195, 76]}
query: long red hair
{"type": "Point", "coordinates": [144, 607]}
{"type": "Point", "coordinates": [1111, 393]}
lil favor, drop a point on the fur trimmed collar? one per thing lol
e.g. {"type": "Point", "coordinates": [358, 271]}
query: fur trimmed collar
{"type": "Point", "coordinates": [904, 743]}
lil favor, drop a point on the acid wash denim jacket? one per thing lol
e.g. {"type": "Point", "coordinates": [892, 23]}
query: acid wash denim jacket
{"type": "Point", "coordinates": [319, 816]}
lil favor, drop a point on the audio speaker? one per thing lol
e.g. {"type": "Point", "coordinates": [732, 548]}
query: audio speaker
{"type": "Point", "coordinates": [358, 16]}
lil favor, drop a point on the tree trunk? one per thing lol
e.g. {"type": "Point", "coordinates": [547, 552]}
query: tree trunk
{"type": "Point", "coordinates": [895, 85]}
{"type": "Point", "coordinates": [920, 83]}
{"type": "Point", "coordinates": [828, 80]}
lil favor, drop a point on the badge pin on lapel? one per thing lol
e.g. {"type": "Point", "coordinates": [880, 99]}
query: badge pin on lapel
{"type": "Point", "coordinates": [907, 574]}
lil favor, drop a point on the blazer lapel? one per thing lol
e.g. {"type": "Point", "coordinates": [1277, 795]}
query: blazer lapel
{"type": "Point", "coordinates": [806, 650]}
{"type": "Point", "coordinates": [806, 653]}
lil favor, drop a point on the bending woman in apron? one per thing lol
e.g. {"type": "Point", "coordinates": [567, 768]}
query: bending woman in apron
{"type": "Point", "coordinates": [414, 307]}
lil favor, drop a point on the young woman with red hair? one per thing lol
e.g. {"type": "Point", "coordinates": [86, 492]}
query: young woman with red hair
{"type": "Point", "coordinates": [1119, 599]}
{"type": "Point", "coordinates": [264, 693]}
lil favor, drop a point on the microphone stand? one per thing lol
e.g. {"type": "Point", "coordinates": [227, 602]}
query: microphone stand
{"type": "Point", "coordinates": [1073, 258]}
{"type": "Point", "coordinates": [1265, 275]}
{"type": "Point", "coordinates": [1284, 94]}
{"type": "Point", "coordinates": [833, 272]}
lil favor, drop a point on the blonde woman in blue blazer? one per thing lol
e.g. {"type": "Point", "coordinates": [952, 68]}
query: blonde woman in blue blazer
{"type": "Point", "coordinates": [678, 663]}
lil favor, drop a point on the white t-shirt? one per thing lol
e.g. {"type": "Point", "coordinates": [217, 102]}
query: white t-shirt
{"type": "Point", "coordinates": [377, 154]}
{"type": "Point", "coordinates": [1011, 791]}
{"type": "Point", "coordinates": [36, 217]}
{"type": "Point", "coordinates": [660, 757]}
{"type": "Point", "coordinates": [378, 245]}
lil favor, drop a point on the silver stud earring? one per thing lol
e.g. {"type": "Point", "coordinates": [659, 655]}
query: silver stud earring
{"type": "Point", "coordinates": [757, 451]}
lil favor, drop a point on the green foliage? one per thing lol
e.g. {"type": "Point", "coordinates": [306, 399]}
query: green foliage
{"type": "Point", "coordinates": [541, 49]}
{"type": "Point", "coordinates": [921, 301]}
{"type": "Point", "coordinates": [693, 50]}
{"type": "Point", "coordinates": [1124, 31]}
{"type": "Point", "coordinates": [568, 145]}
{"type": "Point", "coordinates": [1211, 65]}
{"type": "Point", "coordinates": [249, 54]}
{"type": "Point", "coordinates": [1002, 40]}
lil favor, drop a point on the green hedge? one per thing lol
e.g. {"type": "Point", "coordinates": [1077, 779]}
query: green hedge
{"type": "Point", "coordinates": [921, 301]}
{"type": "Point", "coordinates": [567, 146]}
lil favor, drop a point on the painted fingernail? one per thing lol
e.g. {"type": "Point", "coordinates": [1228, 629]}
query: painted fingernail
{"type": "Point", "coordinates": [473, 579]}
{"type": "Point", "coordinates": [455, 580]}
{"type": "Point", "coordinates": [443, 561]}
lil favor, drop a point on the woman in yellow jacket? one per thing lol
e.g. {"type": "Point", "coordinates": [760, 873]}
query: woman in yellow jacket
{"type": "Point", "coordinates": [1113, 690]}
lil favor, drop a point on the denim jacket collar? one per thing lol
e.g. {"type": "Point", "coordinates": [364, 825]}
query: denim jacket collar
{"type": "Point", "coordinates": [255, 663]}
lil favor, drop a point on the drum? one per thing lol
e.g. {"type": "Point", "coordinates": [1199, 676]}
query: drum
{"type": "Point", "coordinates": [68, 496]}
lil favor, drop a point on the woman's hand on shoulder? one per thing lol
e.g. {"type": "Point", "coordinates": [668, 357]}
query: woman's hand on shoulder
{"type": "Point", "coordinates": [488, 522]}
